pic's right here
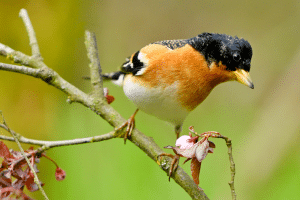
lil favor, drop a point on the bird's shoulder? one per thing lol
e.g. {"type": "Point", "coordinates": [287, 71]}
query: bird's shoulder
{"type": "Point", "coordinates": [140, 60]}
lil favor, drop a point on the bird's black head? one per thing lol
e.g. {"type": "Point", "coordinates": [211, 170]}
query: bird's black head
{"type": "Point", "coordinates": [233, 52]}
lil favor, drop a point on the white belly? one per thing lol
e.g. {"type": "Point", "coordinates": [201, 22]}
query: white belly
{"type": "Point", "coordinates": [160, 102]}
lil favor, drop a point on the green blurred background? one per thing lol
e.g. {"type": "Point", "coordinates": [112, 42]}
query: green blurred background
{"type": "Point", "coordinates": [263, 123]}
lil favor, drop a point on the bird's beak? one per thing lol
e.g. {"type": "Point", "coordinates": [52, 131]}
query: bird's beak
{"type": "Point", "coordinates": [243, 77]}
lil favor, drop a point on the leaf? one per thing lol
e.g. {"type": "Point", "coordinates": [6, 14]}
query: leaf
{"type": "Point", "coordinates": [18, 184]}
{"type": "Point", "coordinates": [188, 153]}
{"type": "Point", "coordinates": [211, 144]}
{"type": "Point", "coordinates": [202, 150]}
{"type": "Point", "coordinates": [30, 184]}
{"type": "Point", "coordinates": [4, 151]}
{"type": "Point", "coordinates": [5, 181]}
{"type": "Point", "coordinates": [12, 193]}
{"type": "Point", "coordinates": [195, 168]}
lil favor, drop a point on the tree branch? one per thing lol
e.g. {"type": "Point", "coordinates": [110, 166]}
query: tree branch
{"type": "Point", "coordinates": [95, 103]}
{"type": "Point", "coordinates": [21, 69]}
{"type": "Point", "coordinates": [95, 67]}
{"type": "Point", "coordinates": [31, 34]}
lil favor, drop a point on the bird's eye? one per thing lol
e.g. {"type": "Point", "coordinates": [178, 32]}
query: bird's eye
{"type": "Point", "coordinates": [236, 57]}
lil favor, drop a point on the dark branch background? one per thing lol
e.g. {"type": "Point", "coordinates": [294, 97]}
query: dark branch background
{"type": "Point", "coordinates": [263, 123]}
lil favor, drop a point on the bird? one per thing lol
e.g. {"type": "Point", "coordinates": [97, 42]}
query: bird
{"type": "Point", "coordinates": [170, 78]}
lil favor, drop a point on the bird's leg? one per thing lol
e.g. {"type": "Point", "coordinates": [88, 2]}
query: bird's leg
{"type": "Point", "coordinates": [130, 123]}
{"type": "Point", "coordinates": [178, 130]}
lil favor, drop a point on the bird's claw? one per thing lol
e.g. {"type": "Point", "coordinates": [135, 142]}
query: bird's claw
{"type": "Point", "coordinates": [174, 163]}
{"type": "Point", "coordinates": [130, 123]}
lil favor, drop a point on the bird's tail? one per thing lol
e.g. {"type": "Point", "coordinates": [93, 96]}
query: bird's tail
{"type": "Point", "coordinates": [115, 77]}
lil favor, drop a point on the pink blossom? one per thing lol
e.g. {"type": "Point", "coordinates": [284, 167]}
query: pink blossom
{"type": "Point", "coordinates": [190, 148]}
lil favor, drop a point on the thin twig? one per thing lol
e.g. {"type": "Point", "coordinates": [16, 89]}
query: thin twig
{"type": "Point", "coordinates": [5, 50]}
{"type": "Point", "coordinates": [232, 165]}
{"type": "Point", "coordinates": [51, 144]}
{"type": "Point", "coordinates": [31, 34]}
{"type": "Point", "coordinates": [36, 179]}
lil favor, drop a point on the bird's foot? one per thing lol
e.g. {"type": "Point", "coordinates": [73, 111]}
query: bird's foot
{"type": "Point", "coordinates": [174, 163]}
{"type": "Point", "coordinates": [130, 123]}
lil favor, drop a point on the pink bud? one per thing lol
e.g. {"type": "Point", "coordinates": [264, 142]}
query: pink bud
{"type": "Point", "coordinates": [60, 174]}
{"type": "Point", "coordinates": [184, 142]}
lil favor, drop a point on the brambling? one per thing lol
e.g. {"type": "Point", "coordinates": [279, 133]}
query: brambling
{"type": "Point", "coordinates": [169, 79]}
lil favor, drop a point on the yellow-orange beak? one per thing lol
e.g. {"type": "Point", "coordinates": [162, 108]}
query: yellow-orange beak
{"type": "Point", "coordinates": [243, 77]}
